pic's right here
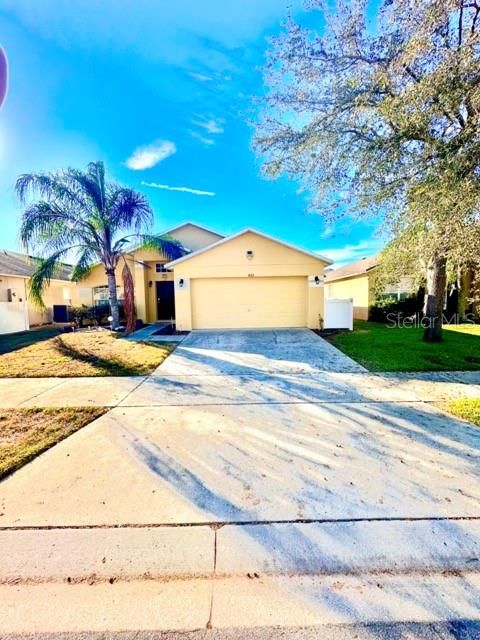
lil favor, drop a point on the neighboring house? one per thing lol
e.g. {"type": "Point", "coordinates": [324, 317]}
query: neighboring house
{"type": "Point", "coordinates": [17, 313]}
{"type": "Point", "coordinates": [356, 280]}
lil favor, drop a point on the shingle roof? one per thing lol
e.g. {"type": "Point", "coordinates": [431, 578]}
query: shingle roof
{"type": "Point", "coordinates": [352, 269]}
{"type": "Point", "coordinates": [19, 264]}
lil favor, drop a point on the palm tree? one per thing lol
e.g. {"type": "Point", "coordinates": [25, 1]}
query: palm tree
{"type": "Point", "coordinates": [78, 213]}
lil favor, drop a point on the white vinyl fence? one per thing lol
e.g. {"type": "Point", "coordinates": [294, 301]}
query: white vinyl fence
{"type": "Point", "coordinates": [338, 314]}
{"type": "Point", "coordinates": [13, 317]}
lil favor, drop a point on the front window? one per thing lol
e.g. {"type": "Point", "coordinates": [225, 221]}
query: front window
{"type": "Point", "coordinates": [100, 295]}
{"type": "Point", "coordinates": [160, 267]}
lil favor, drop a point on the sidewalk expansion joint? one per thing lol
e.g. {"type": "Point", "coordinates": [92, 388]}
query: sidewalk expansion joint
{"type": "Point", "coordinates": [213, 577]}
{"type": "Point", "coordinates": [223, 403]}
{"type": "Point", "coordinates": [217, 524]}
{"type": "Point", "coordinates": [40, 393]}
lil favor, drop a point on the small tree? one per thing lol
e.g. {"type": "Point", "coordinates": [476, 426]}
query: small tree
{"type": "Point", "coordinates": [382, 118]}
{"type": "Point", "coordinates": [79, 214]}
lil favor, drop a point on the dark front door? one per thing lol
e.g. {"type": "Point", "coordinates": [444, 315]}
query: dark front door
{"type": "Point", "coordinates": [165, 300]}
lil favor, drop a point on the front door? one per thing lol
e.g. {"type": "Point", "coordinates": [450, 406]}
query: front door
{"type": "Point", "coordinates": [165, 300]}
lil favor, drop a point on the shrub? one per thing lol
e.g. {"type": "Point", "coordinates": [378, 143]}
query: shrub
{"type": "Point", "coordinates": [98, 315]}
{"type": "Point", "coordinates": [407, 307]}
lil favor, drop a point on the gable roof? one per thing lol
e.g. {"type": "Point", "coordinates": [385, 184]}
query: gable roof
{"type": "Point", "coordinates": [357, 268]}
{"type": "Point", "coordinates": [167, 232]}
{"type": "Point", "coordinates": [226, 239]}
{"type": "Point", "coordinates": [188, 223]}
{"type": "Point", "coordinates": [23, 266]}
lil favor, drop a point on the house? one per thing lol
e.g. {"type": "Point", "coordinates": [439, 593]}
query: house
{"type": "Point", "coordinates": [154, 283]}
{"type": "Point", "coordinates": [356, 280]}
{"type": "Point", "coordinates": [17, 313]}
{"type": "Point", "coordinates": [246, 280]}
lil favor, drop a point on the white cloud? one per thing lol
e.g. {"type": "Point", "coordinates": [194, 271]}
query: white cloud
{"type": "Point", "coordinates": [327, 232]}
{"type": "Point", "coordinates": [201, 77]}
{"type": "Point", "coordinates": [149, 155]}
{"type": "Point", "coordinates": [352, 252]}
{"type": "Point", "coordinates": [210, 125]}
{"type": "Point", "coordinates": [167, 187]}
{"type": "Point", "coordinates": [198, 136]}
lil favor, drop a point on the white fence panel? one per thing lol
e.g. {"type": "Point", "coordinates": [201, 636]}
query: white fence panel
{"type": "Point", "coordinates": [338, 314]}
{"type": "Point", "coordinates": [13, 317]}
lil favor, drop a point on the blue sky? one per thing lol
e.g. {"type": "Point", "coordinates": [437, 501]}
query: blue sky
{"type": "Point", "coordinates": [161, 92]}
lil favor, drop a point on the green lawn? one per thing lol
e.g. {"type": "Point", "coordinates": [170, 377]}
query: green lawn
{"type": "Point", "coordinates": [381, 348]}
{"type": "Point", "coordinates": [83, 353]}
{"type": "Point", "coordinates": [24, 433]}
{"type": "Point", "coordinates": [466, 408]}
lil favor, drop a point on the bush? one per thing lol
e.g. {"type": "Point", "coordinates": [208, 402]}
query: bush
{"type": "Point", "coordinates": [405, 308]}
{"type": "Point", "coordinates": [94, 315]}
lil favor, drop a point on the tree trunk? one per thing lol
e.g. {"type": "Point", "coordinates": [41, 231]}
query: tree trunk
{"type": "Point", "coordinates": [112, 297]}
{"type": "Point", "coordinates": [129, 299]}
{"type": "Point", "coordinates": [434, 298]}
{"type": "Point", "coordinates": [464, 293]}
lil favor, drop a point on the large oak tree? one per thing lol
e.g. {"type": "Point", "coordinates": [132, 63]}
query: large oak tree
{"type": "Point", "coordinates": [379, 112]}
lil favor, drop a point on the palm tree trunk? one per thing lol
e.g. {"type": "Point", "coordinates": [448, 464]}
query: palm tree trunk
{"type": "Point", "coordinates": [434, 298]}
{"type": "Point", "coordinates": [112, 297]}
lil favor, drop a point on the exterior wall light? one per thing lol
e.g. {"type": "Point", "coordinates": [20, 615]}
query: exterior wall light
{"type": "Point", "coordinates": [317, 280]}
{"type": "Point", "coordinates": [150, 283]}
{"type": "Point", "coordinates": [181, 282]}
{"type": "Point", "coordinates": [249, 254]}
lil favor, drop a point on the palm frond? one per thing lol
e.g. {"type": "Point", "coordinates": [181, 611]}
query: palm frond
{"type": "Point", "coordinates": [167, 245]}
{"type": "Point", "coordinates": [43, 220]}
{"type": "Point", "coordinates": [49, 186]}
{"type": "Point", "coordinates": [96, 173]}
{"type": "Point", "coordinates": [46, 269]}
{"type": "Point", "coordinates": [85, 183]}
{"type": "Point", "coordinates": [85, 264]}
{"type": "Point", "coordinates": [128, 209]}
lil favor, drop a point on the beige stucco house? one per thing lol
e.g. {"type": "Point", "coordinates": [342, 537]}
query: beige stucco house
{"type": "Point", "coordinates": [17, 313]}
{"type": "Point", "coordinates": [356, 281]}
{"type": "Point", "coordinates": [246, 280]}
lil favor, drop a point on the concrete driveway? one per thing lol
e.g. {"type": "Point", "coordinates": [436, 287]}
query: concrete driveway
{"type": "Point", "coordinates": [253, 426]}
{"type": "Point", "coordinates": [269, 453]}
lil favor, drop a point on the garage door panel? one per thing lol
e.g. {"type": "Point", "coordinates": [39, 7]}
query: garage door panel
{"type": "Point", "coordinates": [236, 303]}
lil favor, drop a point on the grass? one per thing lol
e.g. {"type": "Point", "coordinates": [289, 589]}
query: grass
{"type": "Point", "coordinates": [83, 353]}
{"type": "Point", "coordinates": [466, 408]}
{"type": "Point", "coordinates": [13, 341]}
{"type": "Point", "coordinates": [24, 433]}
{"type": "Point", "coordinates": [381, 348]}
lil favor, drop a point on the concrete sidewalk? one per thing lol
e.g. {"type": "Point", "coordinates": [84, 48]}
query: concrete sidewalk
{"type": "Point", "coordinates": [243, 387]}
{"type": "Point", "coordinates": [452, 630]}
{"type": "Point", "coordinates": [277, 607]}
{"type": "Point", "coordinates": [66, 392]}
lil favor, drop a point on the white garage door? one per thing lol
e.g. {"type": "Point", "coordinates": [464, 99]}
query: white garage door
{"type": "Point", "coordinates": [241, 303]}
